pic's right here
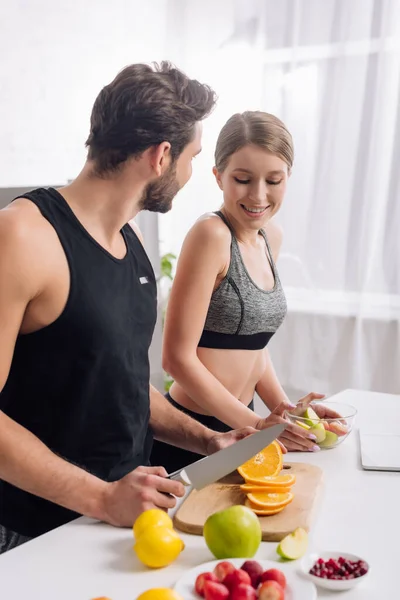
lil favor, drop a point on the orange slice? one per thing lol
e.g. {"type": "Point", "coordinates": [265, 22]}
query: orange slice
{"type": "Point", "coordinates": [279, 483]}
{"type": "Point", "coordinates": [266, 463]}
{"type": "Point", "coordinates": [268, 501]}
{"type": "Point", "coordinates": [247, 488]}
{"type": "Point", "coordinates": [263, 513]}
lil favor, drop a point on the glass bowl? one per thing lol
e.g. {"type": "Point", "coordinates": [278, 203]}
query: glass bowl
{"type": "Point", "coordinates": [329, 432]}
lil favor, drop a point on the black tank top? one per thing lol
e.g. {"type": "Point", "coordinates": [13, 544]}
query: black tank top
{"type": "Point", "coordinates": [81, 384]}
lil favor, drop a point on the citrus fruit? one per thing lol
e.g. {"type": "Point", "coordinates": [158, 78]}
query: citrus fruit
{"type": "Point", "coordinates": [263, 512]}
{"type": "Point", "coordinates": [233, 533]}
{"type": "Point", "coordinates": [279, 483]}
{"type": "Point", "coordinates": [266, 463]}
{"type": "Point", "coordinates": [158, 546]}
{"type": "Point", "coordinates": [160, 594]}
{"type": "Point", "coordinates": [248, 488]}
{"type": "Point", "coordinates": [269, 501]}
{"type": "Point", "coordinates": [149, 518]}
{"type": "Point", "coordinates": [294, 545]}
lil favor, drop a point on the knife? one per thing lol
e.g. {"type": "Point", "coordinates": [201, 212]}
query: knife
{"type": "Point", "coordinates": [221, 463]}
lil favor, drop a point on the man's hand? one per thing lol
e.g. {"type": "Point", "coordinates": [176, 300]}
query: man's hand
{"type": "Point", "coordinates": [142, 489]}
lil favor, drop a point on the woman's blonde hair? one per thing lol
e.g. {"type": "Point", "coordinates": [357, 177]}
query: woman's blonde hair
{"type": "Point", "coordinates": [253, 127]}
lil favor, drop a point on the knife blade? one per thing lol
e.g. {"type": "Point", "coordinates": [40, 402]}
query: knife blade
{"type": "Point", "coordinates": [221, 463]}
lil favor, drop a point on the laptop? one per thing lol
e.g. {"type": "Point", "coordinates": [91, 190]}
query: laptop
{"type": "Point", "coordinates": [380, 451]}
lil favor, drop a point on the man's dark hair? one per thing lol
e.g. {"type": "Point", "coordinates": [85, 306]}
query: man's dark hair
{"type": "Point", "coordinates": [144, 106]}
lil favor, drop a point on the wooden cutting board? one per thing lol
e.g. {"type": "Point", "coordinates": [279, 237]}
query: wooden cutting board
{"type": "Point", "coordinates": [199, 505]}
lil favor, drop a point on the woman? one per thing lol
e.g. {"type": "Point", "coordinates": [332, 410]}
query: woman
{"type": "Point", "coordinates": [227, 300]}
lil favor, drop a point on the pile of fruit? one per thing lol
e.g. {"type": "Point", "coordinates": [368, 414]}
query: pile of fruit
{"type": "Point", "coordinates": [327, 432]}
{"type": "Point", "coordinates": [250, 582]}
{"type": "Point", "coordinates": [341, 568]}
{"type": "Point", "coordinates": [267, 491]}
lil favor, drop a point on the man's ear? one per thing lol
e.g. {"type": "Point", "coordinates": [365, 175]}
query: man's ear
{"type": "Point", "coordinates": [217, 176]}
{"type": "Point", "coordinates": [160, 158]}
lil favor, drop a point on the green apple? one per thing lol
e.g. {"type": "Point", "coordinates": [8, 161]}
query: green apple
{"type": "Point", "coordinates": [303, 425]}
{"type": "Point", "coordinates": [233, 533]}
{"type": "Point", "coordinates": [294, 545]}
{"type": "Point", "coordinates": [311, 417]}
{"type": "Point", "coordinates": [319, 431]}
{"type": "Point", "coordinates": [329, 441]}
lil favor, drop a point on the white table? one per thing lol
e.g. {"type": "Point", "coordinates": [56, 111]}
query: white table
{"type": "Point", "coordinates": [359, 513]}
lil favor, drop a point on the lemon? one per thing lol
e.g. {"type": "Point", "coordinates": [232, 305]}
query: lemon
{"type": "Point", "coordinates": [149, 518]}
{"type": "Point", "coordinates": [160, 594]}
{"type": "Point", "coordinates": [158, 546]}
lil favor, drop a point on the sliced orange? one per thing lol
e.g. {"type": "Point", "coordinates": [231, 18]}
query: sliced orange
{"type": "Point", "coordinates": [279, 483]}
{"type": "Point", "coordinates": [266, 463]}
{"type": "Point", "coordinates": [268, 501]}
{"type": "Point", "coordinates": [263, 513]}
{"type": "Point", "coordinates": [248, 488]}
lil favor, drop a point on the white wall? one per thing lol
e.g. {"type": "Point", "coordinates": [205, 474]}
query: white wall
{"type": "Point", "coordinates": [55, 58]}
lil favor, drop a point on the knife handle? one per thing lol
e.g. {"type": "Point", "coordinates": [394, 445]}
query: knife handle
{"type": "Point", "coordinates": [181, 476]}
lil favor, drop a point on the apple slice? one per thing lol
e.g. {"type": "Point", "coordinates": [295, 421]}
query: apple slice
{"type": "Point", "coordinates": [294, 545]}
{"type": "Point", "coordinates": [303, 425]}
{"type": "Point", "coordinates": [319, 431]}
{"type": "Point", "coordinates": [329, 441]}
{"type": "Point", "coordinates": [311, 417]}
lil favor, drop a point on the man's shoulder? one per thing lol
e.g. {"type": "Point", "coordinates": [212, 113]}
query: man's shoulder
{"type": "Point", "coordinates": [25, 235]}
{"type": "Point", "coordinates": [20, 222]}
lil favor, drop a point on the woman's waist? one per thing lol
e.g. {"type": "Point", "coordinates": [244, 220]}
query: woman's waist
{"type": "Point", "coordinates": [237, 370]}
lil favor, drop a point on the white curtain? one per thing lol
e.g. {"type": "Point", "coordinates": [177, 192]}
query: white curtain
{"type": "Point", "coordinates": [331, 70]}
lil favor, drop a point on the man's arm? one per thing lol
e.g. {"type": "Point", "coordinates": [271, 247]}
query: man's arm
{"type": "Point", "coordinates": [24, 460]}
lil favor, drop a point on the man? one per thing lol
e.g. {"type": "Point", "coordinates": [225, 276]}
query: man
{"type": "Point", "coordinates": [77, 313]}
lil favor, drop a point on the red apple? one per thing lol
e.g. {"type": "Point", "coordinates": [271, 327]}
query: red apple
{"type": "Point", "coordinates": [215, 591]}
{"type": "Point", "coordinates": [270, 590]}
{"type": "Point", "coordinates": [200, 581]}
{"type": "Point", "coordinates": [274, 575]}
{"type": "Point", "coordinates": [254, 569]}
{"type": "Point", "coordinates": [243, 592]}
{"type": "Point", "coordinates": [233, 579]}
{"type": "Point", "coordinates": [223, 568]}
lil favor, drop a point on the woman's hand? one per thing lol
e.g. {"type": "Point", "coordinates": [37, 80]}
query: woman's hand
{"type": "Point", "coordinates": [302, 405]}
{"type": "Point", "coordinates": [294, 437]}
{"type": "Point", "coordinates": [321, 410]}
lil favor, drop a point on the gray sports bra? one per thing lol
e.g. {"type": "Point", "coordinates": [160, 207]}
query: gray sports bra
{"type": "Point", "coordinates": [241, 315]}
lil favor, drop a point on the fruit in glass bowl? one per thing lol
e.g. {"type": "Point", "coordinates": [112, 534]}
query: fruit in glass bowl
{"type": "Point", "coordinates": [329, 432]}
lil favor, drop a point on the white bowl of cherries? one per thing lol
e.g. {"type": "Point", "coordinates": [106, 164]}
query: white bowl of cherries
{"type": "Point", "coordinates": [335, 570]}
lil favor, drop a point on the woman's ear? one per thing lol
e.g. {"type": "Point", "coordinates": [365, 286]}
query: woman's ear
{"type": "Point", "coordinates": [217, 176]}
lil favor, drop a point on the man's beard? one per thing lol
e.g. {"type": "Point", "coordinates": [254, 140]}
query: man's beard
{"type": "Point", "coordinates": [159, 194]}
